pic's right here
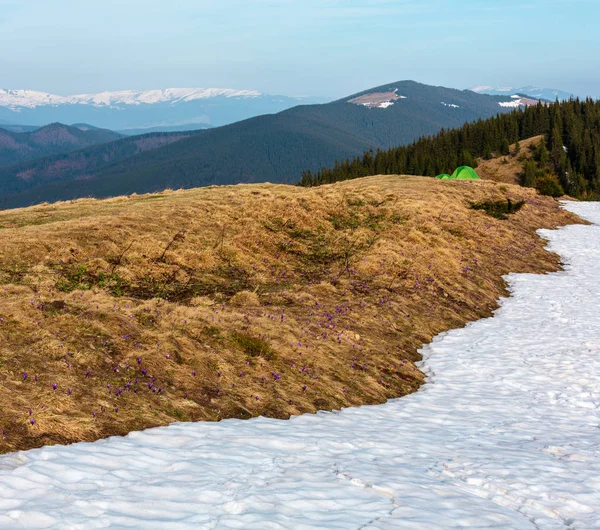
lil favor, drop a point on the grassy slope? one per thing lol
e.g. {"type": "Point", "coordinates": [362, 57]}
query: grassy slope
{"type": "Point", "coordinates": [274, 300]}
{"type": "Point", "coordinates": [508, 169]}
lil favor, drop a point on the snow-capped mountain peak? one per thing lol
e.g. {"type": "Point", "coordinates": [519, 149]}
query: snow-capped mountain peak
{"type": "Point", "coordinates": [15, 99]}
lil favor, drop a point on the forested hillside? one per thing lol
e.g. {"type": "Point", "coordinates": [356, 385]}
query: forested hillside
{"type": "Point", "coordinates": [76, 165]}
{"type": "Point", "coordinates": [17, 147]}
{"type": "Point", "coordinates": [571, 149]}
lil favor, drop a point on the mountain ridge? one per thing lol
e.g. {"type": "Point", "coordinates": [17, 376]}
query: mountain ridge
{"type": "Point", "coordinates": [548, 94]}
{"type": "Point", "coordinates": [136, 109]}
{"type": "Point", "coordinates": [275, 148]}
{"type": "Point", "coordinates": [54, 138]}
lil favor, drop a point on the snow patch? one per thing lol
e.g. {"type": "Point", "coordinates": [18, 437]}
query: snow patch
{"type": "Point", "coordinates": [504, 435]}
{"type": "Point", "coordinates": [451, 105]}
{"type": "Point", "coordinates": [514, 104]}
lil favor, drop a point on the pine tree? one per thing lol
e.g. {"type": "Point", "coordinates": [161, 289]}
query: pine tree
{"type": "Point", "coordinates": [530, 174]}
{"type": "Point", "coordinates": [541, 154]}
{"type": "Point", "coordinates": [466, 158]}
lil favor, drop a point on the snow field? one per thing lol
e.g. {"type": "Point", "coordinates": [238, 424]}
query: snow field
{"type": "Point", "coordinates": [506, 434]}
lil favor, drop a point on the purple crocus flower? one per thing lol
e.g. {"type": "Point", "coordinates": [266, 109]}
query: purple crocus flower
{"type": "Point", "coordinates": [32, 421]}
{"type": "Point", "coordinates": [24, 376]}
{"type": "Point", "coordinates": [194, 373]}
{"type": "Point", "coordinates": [139, 360]}
{"type": "Point", "coordinates": [54, 386]}
{"type": "Point", "coordinates": [69, 391]}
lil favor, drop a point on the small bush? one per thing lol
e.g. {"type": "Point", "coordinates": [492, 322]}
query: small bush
{"type": "Point", "coordinates": [254, 346]}
{"type": "Point", "coordinates": [498, 209]}
{"type": "Point", "coordinates": [548, 185]}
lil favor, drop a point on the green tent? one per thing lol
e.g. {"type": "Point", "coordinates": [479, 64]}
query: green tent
{"type": "Point", "coordinates": [465, 173]}
{"type": "Point", "coordinates": [461, 173]}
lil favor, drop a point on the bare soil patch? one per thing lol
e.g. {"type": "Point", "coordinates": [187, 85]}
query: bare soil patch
{"type": "Point", "coordinates": [375, 99]}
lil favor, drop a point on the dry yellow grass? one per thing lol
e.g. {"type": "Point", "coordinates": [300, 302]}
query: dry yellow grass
{"type": "Point", "coordinates": [243, 301]}
{"type": "Point", "coordinates": [508, 169]}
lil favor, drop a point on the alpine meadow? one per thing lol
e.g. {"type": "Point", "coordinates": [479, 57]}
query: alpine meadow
{"type": "Point", "coordinates": [299, 265]}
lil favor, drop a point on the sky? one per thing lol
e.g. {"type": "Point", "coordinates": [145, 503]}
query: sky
{"type": "Point", "coordinates": [327, 48]}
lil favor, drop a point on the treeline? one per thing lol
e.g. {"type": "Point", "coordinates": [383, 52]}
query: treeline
{"type": "Point", "coordinates": [571, 131]}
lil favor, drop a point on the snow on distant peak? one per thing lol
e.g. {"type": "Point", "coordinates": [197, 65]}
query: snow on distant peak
{"type": "Point", "coordinates": [451, 105]}
{"type": "Point", "coordinates": [481, 88]}
{"type": "Point", "coordinates": [32, 99]}
{"type": "Point", "coordinates": [514, 103]}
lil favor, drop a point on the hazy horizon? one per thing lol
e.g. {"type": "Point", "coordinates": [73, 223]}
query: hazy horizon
{"type": "Point", "coordinates": [324, 48]}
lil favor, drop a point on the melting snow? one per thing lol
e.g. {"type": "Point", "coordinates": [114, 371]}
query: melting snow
{"type": "Point", "coordinates": [514, 103]}
{"type": "Point", "coordinates": [451, 105]}
{"type": "Point", "coordinates": [505, 435]}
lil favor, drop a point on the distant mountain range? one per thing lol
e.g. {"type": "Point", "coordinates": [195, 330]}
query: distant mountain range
{"type": "Point", "coordinates": [548, 94]}
{"type": "Point", "coordinates": [130, 109]}
{"type": "Point", "coordinates": [276, 148]}
{"type": "Point", "coordinates": [18, 147]}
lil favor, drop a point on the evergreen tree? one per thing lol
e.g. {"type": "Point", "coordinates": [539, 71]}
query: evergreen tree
{"type": "Point", "coordinates": [530, 174]}
{"type": "Point", "coordinates": [466, 158]}
{"type": "Point", "coordinates": [541, 154]}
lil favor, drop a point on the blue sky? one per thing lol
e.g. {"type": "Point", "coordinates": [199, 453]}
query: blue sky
{"type": "Point", "coordinates": [298, 47]}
